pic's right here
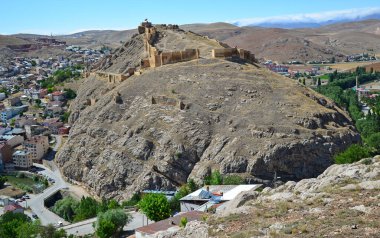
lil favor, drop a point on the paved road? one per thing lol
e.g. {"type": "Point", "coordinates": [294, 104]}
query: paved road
{"type": "Point", "coordinates": [85, 227]}
{"type": "Point", "coordinates": [36, 202]}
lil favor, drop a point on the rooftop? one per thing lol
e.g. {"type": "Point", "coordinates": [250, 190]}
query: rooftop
{"type": "Point", "coordinates": [12, 207]}
{"type": "Point", "coordinates": [223, 192]}
{"type": "Point", "coordinates": [170, 222]}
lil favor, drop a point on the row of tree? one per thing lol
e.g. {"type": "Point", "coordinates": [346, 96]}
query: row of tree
{"type": "Point", "coordinates": [340, 90]}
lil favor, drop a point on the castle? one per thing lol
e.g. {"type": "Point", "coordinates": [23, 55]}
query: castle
{"type": "Point", "coordinates": [157, 58]}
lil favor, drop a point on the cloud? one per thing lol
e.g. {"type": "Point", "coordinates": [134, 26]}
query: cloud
{"type": "Point", "coordinates": [350, 14]}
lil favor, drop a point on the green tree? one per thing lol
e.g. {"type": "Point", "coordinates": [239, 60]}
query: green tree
{"type": "Point", "coordinates": [3, 179]}
{"type": "Point", "coordinates": [29, 229]}
{"type": "Point", "coordinates": [352, 154]}
{"type": "Point", "coordinates": [111, 222]}
{"type": "Point", "coordinates": [65, 208]}
{"type": "Point", "coordinates": [214, 179]}
{"type": "Point", "coordinates": [133, 201]}
{"type": "Point", "coordinates": [51, 232]}
{"type": "Point", "coordinates": [192, 185]}
{"type": "Point", "coordinates": [374, 141]}
{"type": "Point", "coordinates": [70, 94]}
{"type": "Point", "coordinates": [9, 223]}
{"type": "Point", "coordinates": [155, 206]}
{"type": "Point", "coordinates": [86, 209]}
{"type": "Point", "coordinates": [233, 180]}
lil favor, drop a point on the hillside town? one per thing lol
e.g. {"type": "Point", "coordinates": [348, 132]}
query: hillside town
{"type": "Point", "coordinates": [33, 109]}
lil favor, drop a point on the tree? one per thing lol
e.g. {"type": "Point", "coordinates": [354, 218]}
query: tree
{"type": "Point", "coordinates": [155, 206]}
{"type": "Point", "coordinates": [133, 201]}
{"type": "Point", "coordinates": [3, 179]}
{"type": "Point", "coordinates": [303, 81]}
{"type": "Point", "coordinates": [111, 222]}
{"type": "Point", "coordinates": [70, 94]}
{"type": "Point", "coordinates": [65, 208]}
{"type": "Point", "coordinates": [319, 83]}
{"type": "Point", "coordinates": [51, 232]}
{"type": "Point", "coordinates": [374, 141]}
{"type": "Point", "coordinates": [9, 223]}
{"type": "Point", "coordinates": [214, 179]}
{"type": "Point", "coordinates": [352, 154]}
{"type": "Point", "coordinates": [192, 185]}
{"type": "Point", "coordinates": [29, 229]}
{"type": "Point", "coordinates": [87, 208]}
{"type": "Point", "coordinates": [233, 180]}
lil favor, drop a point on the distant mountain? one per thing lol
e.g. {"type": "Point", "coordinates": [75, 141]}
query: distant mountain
{"type": "Point", "coordinates": [312, 20]}
{"type": "Point", "coordinates": [306, 44]}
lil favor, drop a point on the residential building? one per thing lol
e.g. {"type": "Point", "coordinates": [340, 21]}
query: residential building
{"type": "Point", "coordinates": [64, 130]}
{"type": "Point", "coordinates": [37, 146]}
{"type": "Point", "coordinates": [16, 101]}
{"type": "Point", "coordinates": [170, 223]}
{"type": "Point", "coordinates": [5, 153]}
{"type": "Point", "coordinates": [12, 140]}
{"type": "Point", "coordinates": [58, 96]}
{"type": "Point", "coordinates": [209, 196]}
{"type": "Point", "coordinates": [34, 130]}
{"type": "Point", "coordinates": [22, 159]}
{"type": "Point", "coordinates": [54, 127]}
{"type": "Point", "coordinates": [15, 208]}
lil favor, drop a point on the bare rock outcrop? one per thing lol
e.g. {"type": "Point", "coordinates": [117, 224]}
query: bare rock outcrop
{"type": "Point", "coordinates": [207, 114]}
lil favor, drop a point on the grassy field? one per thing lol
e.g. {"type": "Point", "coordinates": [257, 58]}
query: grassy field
{"type": "Point", "coordinates": [347, 66]}
{"type": "Point", "coordinates": [15, 181]}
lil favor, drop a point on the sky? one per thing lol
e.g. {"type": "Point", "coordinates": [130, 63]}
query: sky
{"type": "Point", "coordinates": [69, 16]}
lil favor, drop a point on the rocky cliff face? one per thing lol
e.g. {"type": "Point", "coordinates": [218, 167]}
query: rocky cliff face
{"type": "Point", "coordinates": [177, 121]}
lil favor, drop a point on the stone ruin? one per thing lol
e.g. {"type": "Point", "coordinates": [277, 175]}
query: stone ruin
{"type": "Point", "coordinates": [166, 101]}
{"type": "Point", "coordinates": [156, 57]}
{"type": "Point", "coordinates": [233, 53]}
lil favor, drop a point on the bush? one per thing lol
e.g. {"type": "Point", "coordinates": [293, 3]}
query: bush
{"type": "Point", "coordinates": [135, 199]}
{"type": "Point", "coordinates": [233, 180]}
{"type": "Point", "coordinates": [183, 222]}
{"type": "Point", "coordinates": [214, 179]}
{"type": "Point", "coordinates": [352, 154]}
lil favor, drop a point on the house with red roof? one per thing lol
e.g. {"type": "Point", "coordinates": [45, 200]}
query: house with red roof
{"type": "Point", "coordinates": [15, 208]}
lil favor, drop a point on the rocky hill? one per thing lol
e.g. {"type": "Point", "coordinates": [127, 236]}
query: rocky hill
{"type": "Point", "coordinates": [342, 202]}
{"type": "Point", "coordinates": [181, 120]}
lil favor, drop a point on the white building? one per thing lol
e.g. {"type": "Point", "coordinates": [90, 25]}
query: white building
{"type": "Point", "coordinates": [22, 159]}
{"type": "Point", "coordinates": [206, 197]}
{"type": "Point", "coordinates": [37, 146]}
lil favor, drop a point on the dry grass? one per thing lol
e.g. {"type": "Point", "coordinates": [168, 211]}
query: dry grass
{"type": "Point", "coordinates": [296, 219]}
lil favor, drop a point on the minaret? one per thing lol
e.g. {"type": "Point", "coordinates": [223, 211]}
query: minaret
{"type": "Point", "coordinates": [357, 87]}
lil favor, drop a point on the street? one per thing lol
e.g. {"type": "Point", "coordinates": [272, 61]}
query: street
{"type": "Point", "coordinates": [86, 227]}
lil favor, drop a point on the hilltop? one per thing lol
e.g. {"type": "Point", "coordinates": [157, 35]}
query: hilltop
{"type": "Point", "coordinates": [162, 109]}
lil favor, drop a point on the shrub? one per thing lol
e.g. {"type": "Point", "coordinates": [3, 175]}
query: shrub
{"type": "Point", "coordinates": [233, 180]}
{"type": "Point", "coordinates": [352, 154]}
{"type": "Point", "coordinates": [183, 222]}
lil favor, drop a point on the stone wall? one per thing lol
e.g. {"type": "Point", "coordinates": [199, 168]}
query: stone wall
{"type": "Point", "coordinates": [166, 101]}
{"type": "Point", "coordinates": [112, 77]}
{"type": "Point", "coordinates": [157, 58]}
{"type": "Point", "coordinates": [233, 52]}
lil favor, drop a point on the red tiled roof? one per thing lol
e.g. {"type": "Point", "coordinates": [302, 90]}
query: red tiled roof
{"type": "Point", "coordinates": [170, 222]}
{"type": "Point", "coordinates": [57, 93]}
{"type": "Point", "coordinates": [12, 207]}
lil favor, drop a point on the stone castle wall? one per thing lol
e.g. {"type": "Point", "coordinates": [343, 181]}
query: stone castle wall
{"type": "Point", "coordinates": [157, 58]}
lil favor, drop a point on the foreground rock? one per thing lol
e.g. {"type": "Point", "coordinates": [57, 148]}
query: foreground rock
{"type": "Point", "coordinates": [183, 120]}
{"type": "Point", "coordinates": [341, 202]}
